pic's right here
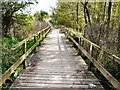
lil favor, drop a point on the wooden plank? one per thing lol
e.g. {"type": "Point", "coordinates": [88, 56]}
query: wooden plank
{"type": "Point", "coordinates": [47, 76]}
{"type": "Point", "coordinates": [106, 74]}
{"type": "Point", "coordinates": [57, 86]}
{"type": "Point", "coordinates": [68, 82]}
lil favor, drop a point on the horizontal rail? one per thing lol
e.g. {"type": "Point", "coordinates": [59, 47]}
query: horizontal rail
{"type": "Point", "coordinates": [7, 74]}
{"type": "Point", "coordinates": [27, 39]}
{"type": "Point", "coordinates": [117, 59]}
{"type": "Point", "coordinates": [105, 73]}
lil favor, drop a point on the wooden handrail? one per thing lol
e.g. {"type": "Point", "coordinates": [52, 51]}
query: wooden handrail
{"type": "Point", "coordinates": [104, 72]}
{"type": "Point", "coordinates": [7, 74]}
{"type": "Point", "coordinates": [117, 59]}
{"type": "Point", "coordinates": [27, 39]}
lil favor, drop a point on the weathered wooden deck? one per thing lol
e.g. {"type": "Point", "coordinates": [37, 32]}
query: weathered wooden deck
{"type": "Point", "coordinates": [56, 65]}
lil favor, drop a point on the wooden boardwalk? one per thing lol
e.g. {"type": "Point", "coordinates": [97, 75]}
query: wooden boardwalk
{"type": "Point", "coordinates": [57, 66]}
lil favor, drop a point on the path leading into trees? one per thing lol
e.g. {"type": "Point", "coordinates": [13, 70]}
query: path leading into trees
{"type": "Point", "coordinates": [57, 66]}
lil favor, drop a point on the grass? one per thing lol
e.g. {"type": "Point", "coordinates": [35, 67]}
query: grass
{"type": "Point", "coordinates": [9, 41]}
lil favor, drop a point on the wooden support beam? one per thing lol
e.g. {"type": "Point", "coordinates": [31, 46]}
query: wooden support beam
{"type": "Point", "coordinates": [35, 40]}
{"type": "Point", "coordinates": [39, 38]}
{"type": "Point", "coordinates": [24, 51]}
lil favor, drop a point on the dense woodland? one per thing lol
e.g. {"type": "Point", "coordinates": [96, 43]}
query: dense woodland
{"type": "Point", "coordinates": [99, 22]}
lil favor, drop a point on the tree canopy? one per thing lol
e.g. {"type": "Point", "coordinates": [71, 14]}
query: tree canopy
{"type": "Point", "coordinates": [8, 11]}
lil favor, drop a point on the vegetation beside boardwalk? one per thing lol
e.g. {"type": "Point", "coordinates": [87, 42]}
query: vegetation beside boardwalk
{"type": "Point", "coordinates": [16, 26]}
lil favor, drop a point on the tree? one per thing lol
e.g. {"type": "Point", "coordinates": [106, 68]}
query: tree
{"type": "Point", "coordinates": [8, 10]}
{"type": "Point", "coordinates": [93, 18]}
{"type": "Point", "coordinates": [40, 15]}
{"type": "Point", "coordinates": [109, 13]}
{"type": "Point", "coordinates": [86, 12]}
{"type": "Point", "coordinates": [119, 30]}
{"type": "Point", "coordinates": [77, 13]}
{"type": "Point", "coordinates": [104, 11]}
{"type": "Point", "coordinates": [108, 19]}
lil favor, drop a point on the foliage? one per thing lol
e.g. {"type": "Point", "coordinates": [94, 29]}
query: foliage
{"type": "Point", "coordinates": [8, 10]}
{"type": "Point", "coordinates": [8, 56]}
{"type": "Point", "coordinates": [40, 15]}
{"type": "Point", "coordinates": [93, 20]}
{"type": "Point", "coordinates": [23, 25]}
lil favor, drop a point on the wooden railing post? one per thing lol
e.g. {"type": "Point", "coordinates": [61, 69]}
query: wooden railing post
{"type": "Point", "coordinates": [46, 31]}
{"type": "Point", "coordinates": [39, 38]}
{"type": "Point", "coordinates": [24, 51]}
{"type": "Point", "coordinates": [35, 40]}
{"type": "Point", "coordinates": [42, 35]}
{"type": "Point", "coordinates": [91, 47]}
{"type": "Point", "coordinates": [66, 33]}
{"type": "Point", "coordinates": [79, 42]}
{"type": "Point", "coordinates": [89, 62]}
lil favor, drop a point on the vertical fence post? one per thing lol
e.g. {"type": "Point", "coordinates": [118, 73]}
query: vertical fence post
{"type": "Point", "coordinates": [40, 40]}
{"type": "Point", "coordinates": [79, 42]}
{"type": "Point", "coordinates": [24, 51]}
{"type": "Point", "coordinates": [45, 32]}
{"type": "Point", "coordinates": [67, 33]}
{"type": "Point", "coordinates": [90, 63]}
{"type": "Point", "coordinates": [35, 42]}
{"type": "Point", "coordinates": [82, 42]}
{"type": "Point", "coordinates": [91, 49]}
{"type": "Point", "coordinates": [42, 34]}
{"type": "Point", "coordinates": [100, 59]}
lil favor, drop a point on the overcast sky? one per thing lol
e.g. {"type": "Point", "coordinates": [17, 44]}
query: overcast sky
{"type": "Point", "coordinates": [44, 5]}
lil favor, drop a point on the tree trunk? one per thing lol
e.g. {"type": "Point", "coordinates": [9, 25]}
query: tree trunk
{"type": "Point", "coordinates": [104, 12]}
{"type": "Point", "coordinates": [88, 15]}
{"type": "Point", "coordinates": [85, 16]}
{"type": "Point", "coordinates": [119, 39]}
{"type": "Point", "coordinates": [84, 13]}
{"type": "Point", "coordinates": [108, 23]}
{"type": "Point", "coordinates": [77, 16]}
{"type": "Point", "coordinates": [119, 31]}
{"type": "Point", "coordinates": [109, 14]}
